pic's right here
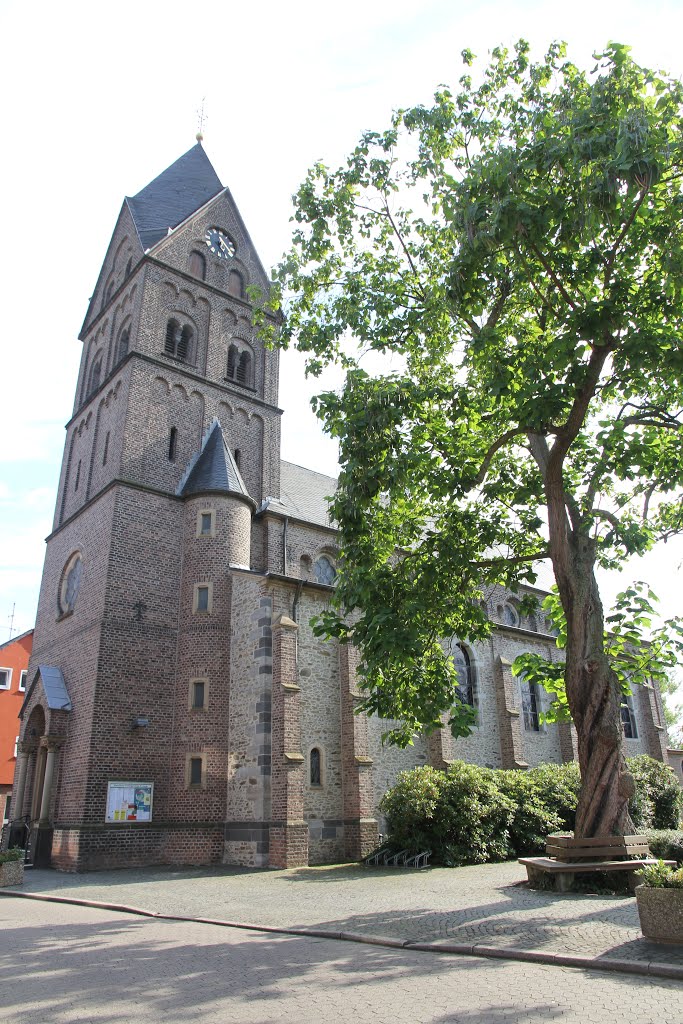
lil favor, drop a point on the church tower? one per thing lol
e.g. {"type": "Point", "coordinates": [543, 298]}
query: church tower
{"type": "Point", "coordinates": [173, 445]}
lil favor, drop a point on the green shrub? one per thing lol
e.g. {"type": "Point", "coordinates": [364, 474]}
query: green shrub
{"type": "Point", "coordinates": [658, 800]}
{"type": "Point", "coordinates": [11, 855]}
{"type": "Point", "coordinates": [659, 876]}
{"type": "Point", "coordinates": [667, 844]}
{"type": "Point", "coordinates": [534, 817]}
{"type": "Point", "coordinates": [460, 815]}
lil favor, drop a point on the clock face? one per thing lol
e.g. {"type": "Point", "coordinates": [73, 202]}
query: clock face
{"type": "Point", "coordinates": [219, 243]}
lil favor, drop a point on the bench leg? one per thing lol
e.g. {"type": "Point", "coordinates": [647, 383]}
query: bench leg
{"type": "Point", "coordinates": [564, 882]}
{"type": "Point", "coordinates": [533, 875]}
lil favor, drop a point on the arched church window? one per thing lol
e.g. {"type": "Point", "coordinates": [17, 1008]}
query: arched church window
{"type": "Point", "coordinates": [510, 615]}
{"type": "Point", "coordinates": [324, 571]}
{"type": "Point", "coordinates": [172, 333]}
{"type": "Point", "coordinates": [628, 718]}
{"type": "Point", "coordinates": [111, 287]}
{"type": "Point", "coordinates": [124, 340]}
{"type": "Point", "coordinates": [70, 584]}
{"type": "Point", "coordinates": [531, 705]}
{"type": "Point", "coordinates": [465, 672]}
{"type": "Point", "coordinates": [236, 284]}
{"type": "Point", "coordinates": [95, 375]}
{"type": "Point", "coordinates": [244, 368]}
{"type": "Point", "coordinates": [184, 343]}
{"type": "Point", "coordinates": [315, 759]}
{"type": "Point", "coordinates": [197, 265]}
{"type": "Point", "coordinates": [129, 266]}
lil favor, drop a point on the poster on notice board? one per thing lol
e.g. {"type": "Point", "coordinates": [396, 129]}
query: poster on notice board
{"type": "Point", "coordinates": [129, 801]}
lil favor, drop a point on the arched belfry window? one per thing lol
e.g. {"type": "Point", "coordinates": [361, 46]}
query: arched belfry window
{"type": "Point", "coordinates": [233, 357]}
{"type": "Point", "coordinates": [178, 340]}
{"type": "Point", "coordinates": [197, 265]}
{"type": "Point", "coordinates": [236, 284]}
{"type": "Point", "coordinates": [316, 767]}
{"type": "Point", "coordinates": [465, 672]}
{"type": "Point", "coordinates": [324, 571]}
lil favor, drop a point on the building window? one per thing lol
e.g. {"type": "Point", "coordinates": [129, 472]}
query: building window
{"type": "Point", "coordinates": [315, 759]}
{"type": "Point", "coordinates": [178, 340]}
{"type": "Point", "coordinates": [236, 284]}
{"type": "Point", "coordinates": [105, 453]}
{"type": "Point", "coordinates": [129, 266]}
{"type": "Point", "coordinates": [22, 680]}
{"type": "Point", "coordinates": [238, 458]}
{"type": "Point", "coordinates": [95, 376]}
{"type": "Point", "coordinates": [5, 678]}
{"type": "Point", "coordinates": [510, 615]}
{"type": "Point", "coordinates": [16, 746]}
{"type": "Point", "coordinates": [198, 694]}
{"type": "Point", "coordinates": [202, 598]}
{"type": "Point", "coordinates": [197, 265]}
{"type": "Point", "coordinates": [324, 571]}
{"type": "Point", "coordinates": [195, 771]}
{"type": "Point", "coordinates": [78, 475]}
{"type": "Point", "coordinates": [628, 718]}
{"type": "Point", "coordinates": [466, 674]}
{"type": "Point", "coordinates": [531, 706]}
{"type": "Point", "coordinates": [124, 342]}
{"type": "Point", "coordinates": [172, 444]}
{"type": "Point", "coordinates": [206, 523]}
{"type": "Point", "coordinates": [70, 585]}
{"type": "Point", "coordinates": [244, 369]}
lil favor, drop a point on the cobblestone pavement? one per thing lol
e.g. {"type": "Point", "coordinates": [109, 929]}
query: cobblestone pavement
{"type": "Point", "coordinates": [63, 964]}
{"type": "Point", "coordinates": [486, 904]}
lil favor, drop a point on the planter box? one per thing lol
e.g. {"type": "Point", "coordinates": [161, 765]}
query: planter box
{"type": "Point", "coordinates": [661, 913]}
{"type": "Point", "coordinates": [12, 873]}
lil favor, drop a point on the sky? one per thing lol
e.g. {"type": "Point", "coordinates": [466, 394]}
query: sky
{"type": "Point", "coordinates": [99, 99]}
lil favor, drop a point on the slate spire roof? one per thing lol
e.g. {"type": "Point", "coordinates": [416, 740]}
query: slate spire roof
{"type": "Point", "coordinates": [214, 469]}
{"type": "Point", "coordinates": [176, 193]}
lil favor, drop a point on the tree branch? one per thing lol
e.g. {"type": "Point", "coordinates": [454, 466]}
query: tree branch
{"type": "Point", "coordinates": [552, 275]}
{"type": "Point", "coordinates": [625, 230]}
{"type": "Point", "coordinates": [496, 446]}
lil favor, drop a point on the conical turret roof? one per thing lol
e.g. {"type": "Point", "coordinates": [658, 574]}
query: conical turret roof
{"type": "Point", "coordinates": [214, 469]}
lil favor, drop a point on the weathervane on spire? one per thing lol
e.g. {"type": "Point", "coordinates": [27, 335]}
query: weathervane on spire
{"type": "Point", "coordinates": [201, 118]}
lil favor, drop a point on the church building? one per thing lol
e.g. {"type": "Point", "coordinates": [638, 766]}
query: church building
{"type": "Point", "coordinates": [178, 708]}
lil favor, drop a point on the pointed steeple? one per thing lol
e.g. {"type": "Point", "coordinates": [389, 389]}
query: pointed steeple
{"type": "Point", "coordinates": [176, 193]}
{"type": "Point", "coordinates": [214, 469]}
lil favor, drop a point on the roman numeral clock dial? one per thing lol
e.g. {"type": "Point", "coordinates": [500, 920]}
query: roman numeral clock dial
{"type": "Point", "coordinates": [219, 243]}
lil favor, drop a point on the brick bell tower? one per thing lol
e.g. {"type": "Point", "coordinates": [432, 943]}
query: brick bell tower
{"type": "Point", "coordinates": [173, 444]}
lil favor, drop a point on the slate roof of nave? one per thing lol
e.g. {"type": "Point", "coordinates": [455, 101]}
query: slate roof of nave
{"type": "Point", "coordinates": [176, 193]}
{"type": "Point", "coordinates": [304, 493]}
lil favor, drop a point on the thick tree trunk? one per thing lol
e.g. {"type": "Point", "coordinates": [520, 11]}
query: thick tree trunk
{"type": "Point", "coordinates": [594, 697]}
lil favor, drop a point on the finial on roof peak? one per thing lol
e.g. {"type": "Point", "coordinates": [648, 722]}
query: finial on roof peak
{"type": "Point", "coordinates": [199, 137]}
{"type": "Point", "coordinates": [201, 118]}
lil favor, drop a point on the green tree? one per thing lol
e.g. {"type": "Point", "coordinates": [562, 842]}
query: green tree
{"type": "Point", "coordinates": [516, 247]}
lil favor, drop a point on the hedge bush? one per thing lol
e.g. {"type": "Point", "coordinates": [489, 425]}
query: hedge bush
{"type": "Point", "coordinates": [470, 815]}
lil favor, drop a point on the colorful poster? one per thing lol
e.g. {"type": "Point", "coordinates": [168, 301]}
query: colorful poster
{"type": "Point", "coordinates": [129, 802]}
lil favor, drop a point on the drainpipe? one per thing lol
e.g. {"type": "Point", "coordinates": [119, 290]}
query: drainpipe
{"type": "Point", "coordinates": [284, 548]}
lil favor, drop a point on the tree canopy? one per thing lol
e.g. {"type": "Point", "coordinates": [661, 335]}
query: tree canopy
{"type": "Point", "coordinates": [516, 247]}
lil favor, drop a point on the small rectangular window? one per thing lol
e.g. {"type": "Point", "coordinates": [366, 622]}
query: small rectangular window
{"type": "Point", "coordinates": [106, 450]}
{"type": "Point", "coordinates": [628, 718]}
{"type": "Point", "coordinates": [195, 771]}
{"type": "Point", "coordinates": [198, 693]}
{"type": "Point", "coordinates": [5, 678]}
{"type": "Point", "coordinates": [22, 680]}
{"type": "Point", "coordinates": [16, 746]}
{"type": "Point", "coordinates": [202, 599]}
{"type": "Point", "coordinates": [206, 523]}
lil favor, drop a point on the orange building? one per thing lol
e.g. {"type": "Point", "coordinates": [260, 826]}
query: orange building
{"type": "Point", "coordinates": [14, 656]}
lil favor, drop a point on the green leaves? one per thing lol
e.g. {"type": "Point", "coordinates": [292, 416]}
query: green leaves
{"type": "Point", "coordinates": [516, 248]}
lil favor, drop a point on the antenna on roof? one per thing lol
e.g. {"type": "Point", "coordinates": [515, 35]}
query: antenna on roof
{"type": "Point", "coordinates": [11, 620]}
{"type": "Point", "coordinates": [201, 118]}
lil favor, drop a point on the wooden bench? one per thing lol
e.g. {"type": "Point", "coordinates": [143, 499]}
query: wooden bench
{"type": "Point", "coordinates": [567, 857]}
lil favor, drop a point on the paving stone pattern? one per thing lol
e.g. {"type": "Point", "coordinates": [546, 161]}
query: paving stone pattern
{"type": "Point", "coordinates": [487, 904]}
{"type": "Point", "coordinates": [63, 964]}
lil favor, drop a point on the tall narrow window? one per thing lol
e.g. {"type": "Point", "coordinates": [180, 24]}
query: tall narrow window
{"type": "Point", "coordinates": [129, 266]}
{"type": "Point", "coordinates": [105, 453]}
{"type": "Point", "coordinates": [316, 767]}
{"type": "Point", "coordinates": [202, 599]}
{"type": "Point", "coordinates": [195, 771]}
{"type": "Point", "coordinates": [232, 362]}
{"type": "Point", "coordinates": [95, 375]}
{"type": "Point", "coordinates": [78, 475]}
{"type": "Point", "coordinates": [531, 706]}
{"type": "Point", "coordinates": [172, 334]}
{"type": "Point", "coordinates": [628, 718]}
{"type": "Point", "coordinates": [172, 444]}
{"type": "Point", "coordinates": [244, 369]}
{"type": "Point", "coordinates": [124, 341]}
{"type": "Point", "coordinates": [236, 284]}
{"type": "Point", "coordinates": [238, 458]}
{"type": "Point", "coordinates": [22, 680]}
{"type": "Point", "coordinates": [197, 265]}
{"type": "Point", "coordinates": [184, 343]}
{"type": "Point", "coordinates": [465, 673]}
{"type": "Point", "coordinates": [198, 694]}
